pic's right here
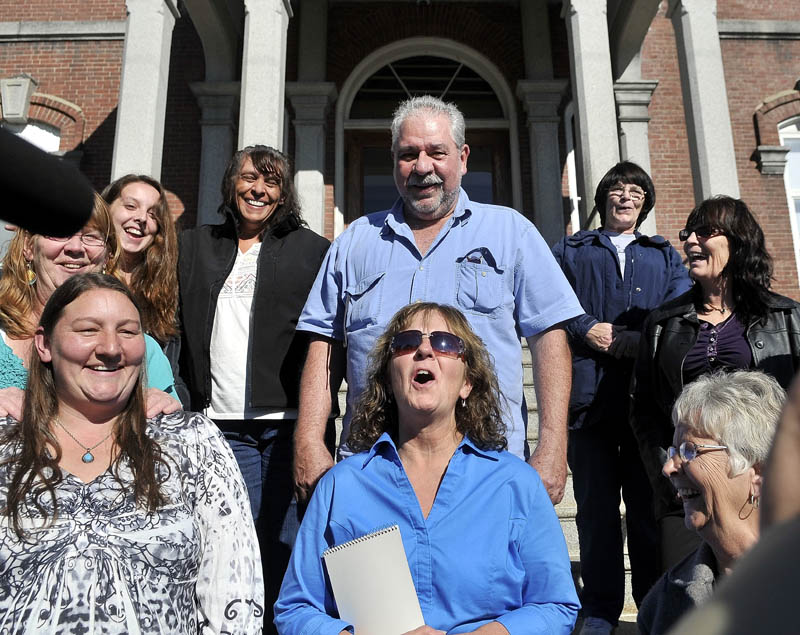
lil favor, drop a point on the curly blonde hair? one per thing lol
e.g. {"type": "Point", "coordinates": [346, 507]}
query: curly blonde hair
{"type": "Point", "coordinates": [17, 315]}
{"type": "Point", "coordinates": [480, 417]}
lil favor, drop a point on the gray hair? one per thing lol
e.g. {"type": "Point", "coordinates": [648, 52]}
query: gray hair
{"type": "Point", "coordinates": [432, 105]}
{"type": "Point", "coordinates": [738, 409]}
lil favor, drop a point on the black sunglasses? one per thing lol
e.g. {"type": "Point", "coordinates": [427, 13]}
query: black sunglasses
{"type": "Point", "coordinates": [442, 342]}
{"type": "Point", "coordinates": [703, 231]}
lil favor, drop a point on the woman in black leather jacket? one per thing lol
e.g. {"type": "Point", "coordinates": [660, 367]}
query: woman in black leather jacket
{"type": "Point", "coordinates": [728, 320]}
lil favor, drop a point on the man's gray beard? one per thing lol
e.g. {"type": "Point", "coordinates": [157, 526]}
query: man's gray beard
{"type": "Point", "coordinates": [445, 206]}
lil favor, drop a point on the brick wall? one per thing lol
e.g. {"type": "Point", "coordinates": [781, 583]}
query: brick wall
{"type": "Point", "coordinates": [669, 145]}
{"type": "Point", "coordinates": [754, 71]}
{"type": "Point", "coordinates": [51, 10]}
{"type": "Point", "coordinates": [761, 10]}
{"type": "Point", "coordinates": [355, 30]}
{"type": "Point", "coordinates": [84, 73]}
{"type": "Point", "coordinates": [757, 69]}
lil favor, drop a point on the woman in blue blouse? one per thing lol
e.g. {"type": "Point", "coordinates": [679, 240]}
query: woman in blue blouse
{"type": "Point", "coordinates": [483, 543]}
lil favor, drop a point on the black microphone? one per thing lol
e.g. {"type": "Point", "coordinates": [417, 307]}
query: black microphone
{"type": "Point", "coordinates": [40, 192]}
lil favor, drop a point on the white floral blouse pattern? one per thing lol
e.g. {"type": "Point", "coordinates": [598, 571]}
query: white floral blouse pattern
{"type": "Point", "coordinates": [107, 566]}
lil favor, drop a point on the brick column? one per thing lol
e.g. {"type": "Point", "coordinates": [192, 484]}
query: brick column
{"type": "Point", "coordinates": [218, 102]}
{"type": "Point", "coordinates": [263, 72]}
{"type": "Point", "coordinates": [593, 95]}
{"type": "Point", "coordinates": [705, 98]}
{"type": "Point", "coordinates": [139, 136]}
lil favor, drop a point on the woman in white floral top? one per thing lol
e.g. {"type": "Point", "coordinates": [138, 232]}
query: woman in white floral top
{"type": "Point", "coordinates": [111, 523]}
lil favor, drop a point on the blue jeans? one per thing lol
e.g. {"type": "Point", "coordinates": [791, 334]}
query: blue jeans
{"type": "Point", "coordinates": [264, 451]}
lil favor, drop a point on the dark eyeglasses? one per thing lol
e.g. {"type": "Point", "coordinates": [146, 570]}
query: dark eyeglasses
{"type": "Point", "coordinates": [702, 231]}
{"type": "Point", "coordinates": [442, 343]}
{"type": "Point", "coordinates": [89, 240]}
{"type": "Point", "coordinates": [689, 450]}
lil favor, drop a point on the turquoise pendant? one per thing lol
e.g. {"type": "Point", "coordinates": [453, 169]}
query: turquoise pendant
{"type": "Point", "coordinates": [88, 457]}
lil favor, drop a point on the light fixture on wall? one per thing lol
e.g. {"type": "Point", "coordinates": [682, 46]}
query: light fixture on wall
{"type": "Point", "coordinates": [15, 93]}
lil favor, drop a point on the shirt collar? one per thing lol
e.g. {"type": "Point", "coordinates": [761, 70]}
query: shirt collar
{"type": "Point", "coordinates": [386, 447]}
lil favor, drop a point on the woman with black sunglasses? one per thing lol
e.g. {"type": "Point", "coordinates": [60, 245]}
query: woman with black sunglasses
{"type": "Point", "coordinates": [728, 320]}
{"type": "Point", "coordinates": [483, 544]}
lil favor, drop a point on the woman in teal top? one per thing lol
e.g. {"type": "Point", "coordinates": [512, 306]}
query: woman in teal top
{"type": "Point", "coordinates": [33, 268]}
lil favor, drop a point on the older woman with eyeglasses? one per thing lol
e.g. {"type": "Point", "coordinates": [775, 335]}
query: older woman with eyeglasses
{"type": "Point", "coordinates": [35, 266]}
{"type": "Point", "coordinates": [483, 543]}
{"type": "Point", "coordinates": [619, 275]}
{"type": "Point", "coordinates": [724, 426]}
{"type": "Point", "coordinates": [728, 320]}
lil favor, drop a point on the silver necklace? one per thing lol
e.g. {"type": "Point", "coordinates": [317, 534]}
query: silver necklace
{"type": "Point", "coordinates": [88, 457]}
{"type": "Point", "coordinates": [710, 307]}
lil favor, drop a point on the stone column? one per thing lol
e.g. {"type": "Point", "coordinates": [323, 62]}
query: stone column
{"type": "Point", "coordinates": [593, 95]}
{"type": "Point", "coordinates": [311, 97]}
{"type": "Point", "coordinates": [633, 100]}
{"type": "Point", "coordinates": [218, 103]}
{"type": "Point", "coordinates": [705, 97]}
{"type": "Point", "coordinates": [541, 96]}
{"type": "Point", "coordinates": [263, 72]}
{"type": "Point", "coordinates": [541, 100]}
{"type": "Point", "coordinates": [310, 101]}
{"type": "Point", "coordinates": [139, 136]}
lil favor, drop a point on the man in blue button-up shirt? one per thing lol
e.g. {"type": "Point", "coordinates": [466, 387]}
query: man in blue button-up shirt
{"type": "Point", "coordinates": [437, 245]}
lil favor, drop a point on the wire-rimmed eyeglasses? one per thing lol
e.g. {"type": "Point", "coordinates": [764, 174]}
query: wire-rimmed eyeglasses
{"type": "Point", "coordinates": [689, 450]}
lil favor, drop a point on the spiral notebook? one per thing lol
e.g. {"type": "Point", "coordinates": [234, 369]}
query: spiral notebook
{"type": "Point", "coordinates": [372, 584]}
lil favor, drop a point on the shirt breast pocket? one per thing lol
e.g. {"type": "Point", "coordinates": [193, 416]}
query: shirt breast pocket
{"type": "Point", "coordinates": [479, 288]}
{"type": "Point", "coordinates": [363, 302]}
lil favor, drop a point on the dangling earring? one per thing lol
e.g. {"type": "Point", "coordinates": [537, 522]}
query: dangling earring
{"type": "Point", "coordinates": [463, 403]}
{"type": "Point", "coordinates": [754, 500]}
{"type": "Point", "coordinates": [30, 274]}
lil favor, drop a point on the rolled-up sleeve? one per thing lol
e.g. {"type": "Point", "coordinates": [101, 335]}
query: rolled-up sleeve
{"type": "Point", "coordinates": [323, 312]}
{"type": "Point", "coordinates": [542, 295]}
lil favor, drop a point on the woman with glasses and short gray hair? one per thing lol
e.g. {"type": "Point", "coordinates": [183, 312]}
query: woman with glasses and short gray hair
{"type": "Point", "coordinates": [729, 320]}
{"type": "Point", "coordinates": [619, 275]}
{"type": "Point", "coordinates": [723, 429]}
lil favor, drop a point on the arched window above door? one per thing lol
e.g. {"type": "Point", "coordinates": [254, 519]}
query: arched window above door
{"type": "Point", "coordinates": [425, 75]}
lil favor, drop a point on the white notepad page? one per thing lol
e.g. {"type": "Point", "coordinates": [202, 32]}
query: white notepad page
{"type": "Point", "coordinates": [372, 584]}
